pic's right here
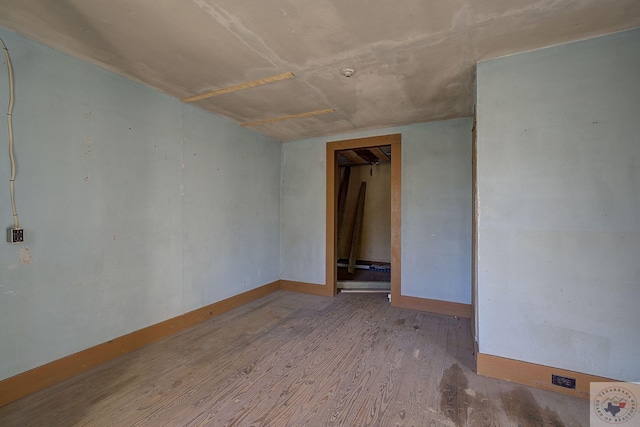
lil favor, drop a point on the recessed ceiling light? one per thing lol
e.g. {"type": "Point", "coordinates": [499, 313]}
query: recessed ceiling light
{"type": "Point", "coordinates": [347, 72]}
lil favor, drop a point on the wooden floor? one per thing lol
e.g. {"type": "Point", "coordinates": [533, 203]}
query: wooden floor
{"type": "Point", "coordinates": [293, 359]}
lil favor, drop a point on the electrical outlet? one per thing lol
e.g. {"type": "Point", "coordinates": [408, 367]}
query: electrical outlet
{"type": "Point", "coordinates": [565, 382]}
{"type": "Point", "coordinates": [15, 235]}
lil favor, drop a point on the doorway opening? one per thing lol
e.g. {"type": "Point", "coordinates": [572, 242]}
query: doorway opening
{"type": "Point", "coordinates": [363, 223]}
{"type": "Point", "coordinates": [364, 219]}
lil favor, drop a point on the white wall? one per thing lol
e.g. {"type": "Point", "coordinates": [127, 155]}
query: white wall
{"type": "Point", "coordinates": [559, 196]}
{"type": "Point", "coordinates": [436, 209]}
{"type": "Point", "coordinates": [137, 208]}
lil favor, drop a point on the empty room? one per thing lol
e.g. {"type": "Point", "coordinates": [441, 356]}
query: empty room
{"type": "Point", "coordinates": [319, 213]}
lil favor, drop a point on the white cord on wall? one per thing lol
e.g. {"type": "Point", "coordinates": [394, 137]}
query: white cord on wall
{"type": "Point", "coordinates": [16, 222]}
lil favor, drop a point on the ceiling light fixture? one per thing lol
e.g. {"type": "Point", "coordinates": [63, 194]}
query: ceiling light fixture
{"type": "Point", "coordinates": [347, 72]}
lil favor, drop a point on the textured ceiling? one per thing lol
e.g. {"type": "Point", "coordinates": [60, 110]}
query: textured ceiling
{"type": "Point", "coordinates": [413, 59]}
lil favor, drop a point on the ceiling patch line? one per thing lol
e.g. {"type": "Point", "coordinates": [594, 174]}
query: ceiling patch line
{"type": "Point", "coordinates": [242, 86]}
{"type": "Point", "coordinates": [291, 116]}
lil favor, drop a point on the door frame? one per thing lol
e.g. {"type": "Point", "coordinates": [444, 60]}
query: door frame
{"type": "Point", "coordinates": [474, 232]}
{"type": "Point", "coordinates": [332, 212]}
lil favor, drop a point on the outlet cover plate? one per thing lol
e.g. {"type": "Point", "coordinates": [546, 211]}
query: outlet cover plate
{"type": "Point", "coordinates": [565, 382]}
{"type": "Point", "coordinates": [15, 235]}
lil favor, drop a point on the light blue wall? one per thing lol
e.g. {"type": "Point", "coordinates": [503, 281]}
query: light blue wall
{"type": "Point", "coordinates": [559, 197]}
{"type": "Point", "coordinates": [436, 209]}
{"type": "Point", "coordinates": [231, 209]}
{"type": "Point", "coordinates": [137, 208]}
{"type": "Point", "coordinates": [303, 211]}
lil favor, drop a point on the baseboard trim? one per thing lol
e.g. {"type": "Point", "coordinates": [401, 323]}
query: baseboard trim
{"type": "Point", "coordinates": [28, 382]}
{"type": "Point", "coordinates": [432, 306]}
{"type": "Point", "coordinates": [535, 375]}
{"type": "Point", "coordinates": [306, 288]}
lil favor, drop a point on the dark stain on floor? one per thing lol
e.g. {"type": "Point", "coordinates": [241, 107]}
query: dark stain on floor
{"type": "Point", "coordinates": [454, 401]}
{"type": "Point", "coordinates": [553, 420]}
{"type": "Point", "coordinates": [466, 407]}
{"type": "Point", "coordinates": [522, 408]}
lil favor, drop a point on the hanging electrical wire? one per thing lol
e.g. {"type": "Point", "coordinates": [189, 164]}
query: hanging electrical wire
{"type": "Point", "coordinates": [16, 222]}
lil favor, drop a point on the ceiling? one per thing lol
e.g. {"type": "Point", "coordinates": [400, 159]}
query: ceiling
{"type": "Point", "coordinates": [364, 156]}
{"type": "Point", "coordinates": [414, 60]}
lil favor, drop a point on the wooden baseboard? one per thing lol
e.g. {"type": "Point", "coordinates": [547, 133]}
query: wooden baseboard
{"type": "Point", "coordinates": [28, 382]}
{"type": "Point", "coordinates": [535, 375]}
{"type": "Point", "coordinates": [306, 288]}
{"type": "Point", "coordinates": [432, 305]}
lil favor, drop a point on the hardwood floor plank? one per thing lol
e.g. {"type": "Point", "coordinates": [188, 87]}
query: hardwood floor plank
{"type": "Point", "coordinates": [299, 360]}
{"type": "Point", "coordinates": [399, 364]}
{"type": "Point", "coordinates": [288, 356]}
{"type": "Point", "coordinates": [314, 375]}
{"type": "Point", "coordinates": [359, 374]}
